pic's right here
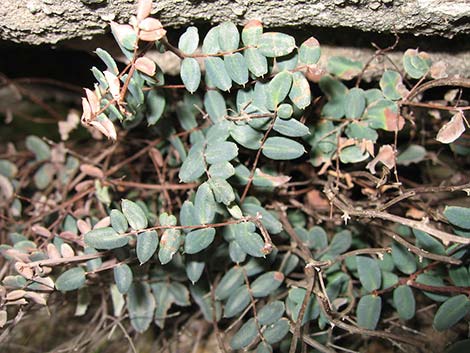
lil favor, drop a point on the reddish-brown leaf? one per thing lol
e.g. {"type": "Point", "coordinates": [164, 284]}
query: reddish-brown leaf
{"type": "Point", "coordinates": [143, 9]}
{"type": "Point", "coordinates": [146, 66]}
{"type": "Point", "coordinates": [386, 156]}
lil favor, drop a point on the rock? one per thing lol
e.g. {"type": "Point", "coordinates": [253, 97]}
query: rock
{"type": "Point", "coordinates": [45, 21]}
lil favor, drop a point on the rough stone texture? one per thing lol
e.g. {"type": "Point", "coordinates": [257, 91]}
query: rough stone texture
{"type": "Point", "coordinates": [52, 21]}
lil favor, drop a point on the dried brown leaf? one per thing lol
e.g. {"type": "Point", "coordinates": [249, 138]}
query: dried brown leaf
{"type": "Point", "coordinates": [36, 297]}
{"type": "Point", "coordinates": [24, 270]}
{"type": "Point", "coordinates": [15, 295]}
{"type": "Point", "coordinates": [146, 66]}
{"type": "Point", "coordinates": [93, 100]}
{"type": "Point", "coordinates": [452, 130]}
{"type": "Point", "coordinates": [83, 227]}
{"type": "Point", "coordinates": [91, 170]}
{"type": "Point", "coordinates": [3, 318]}
{"type": "Point", "coordinates": [42, 231]}
{"type": "Point", "coordinates": [52, 252]}
{"type": "Point", "coordinates": [6, 188]}
{"type": "Point", "coordinates": [386, 156]}
{"type": "Point", "coordinates": [103, 223]}
{"type": "Point", "coordinates": [66, 251]}
{"type": "Point", "coordinates": [143, 9]}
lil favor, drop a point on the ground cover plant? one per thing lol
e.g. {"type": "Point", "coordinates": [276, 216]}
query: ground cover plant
{"type": "Point", "coordinates": [281, 205]}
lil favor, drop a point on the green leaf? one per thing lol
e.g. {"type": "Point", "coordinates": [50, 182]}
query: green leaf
{"type": "Point", "coordinates": [278, 89]}
{"type": "Point", "coordinates": [458, 216]}
{"type": "Point", "coordinates": [198, 240]}
{"type": "Point", "coordinates": [8, 169]}
{"type": "Point", "coordinates": [274, 44]}
{"type": "Point", "coordinates": [343, 67]}
{"type": "Point", "coordinates": [353, 154]}
{"type": "Point", "coordinates": [300, 93]}
{"type": "Point", "coordinates": [412, 154]}
{"type": "Point", "coordinates": [462, 346]}
{"type": "Point", "coordinates": [389, 279]}
{"type": "Point", "coordinates": [416, 64]}
{"type": "Point", "coordinates": [38, 147]}
{"type": "Point", "coordinates": [236, 253]}
{"type": "Point", "coordinates": [432, 280]}
{"type": "Point", "coordinates": [236, 67]}
{"type": "Point", "coordinates": [71, 279]}
{"type": "Point", "coordinates": [361, 131]}
{"type": "Point", "coordinates": [340, 243]}
{"type": "Point", "coordinates": [105, 238]}
{"type": "Point", "coordinates": [223, 170]}
{"type": "Point", "coordinates": [252, 32]}
{"type": "Point", "coordinates": [194, 270]}
{"type": "Point", "coordinates": [222, 190]}
{"type": "Point", "coordinates": [230, 281]}
{"type": "Point", "coordinates": [392, 85]}
{"type": "Point", "coordinates": [284, 111]}
{"type": "Point", "coordinates": [220, 151]}
{"type": "Point", "coordinates": [193, 166]}
{"type": "Point", "coordinates": [451, 311]}
{"type": "Point", "coordinates": [190, 74]}
{"type": "Point", "coordinates": [276, 332]}
{"type": "Point", "coordinates": [250, 242]}
{"type": "Point", "coordinates": [263, 347]}
{"type": "Point", "coordinates": [169, 245]}
{"type": "Point", "coordinates": [147, 243]}
{"type": "Point", "coordinates": [354, 103]}
{"type": "Point", "coordinates": [204, 204]}
{"type": "Point", "coordinates": [123, 277]}
{"type": "Point", "coordinates": [140, 305]}
{"type": "Point", "coordinates": [266, 284]}
{"type": "Point", "coordinates": [189, 40]}
{"type": "Point", "coordinates": [156, 105]}
{"type": "Point", "coordinates": [368, 311]}
{"type": "Point", "coordinates": [111, 65]}
{"type": "Point", "coordinates": [229, 38]}
{"type": "Point", "coordinates": [428, 243]}
{"type": "Point", "coordinates": [245, 335]}
{"type": "Point", "coordinates": [281, 148]}
{"type": "Point", "coordinates": [134, 214]}
{"type": "Point", "coordinates": [271, 312]}
{"type": "Point", "coordinates": [291, 128]}
{"type": "Point", "coordinates": [246, 136]}
{"type": "Point", "coordinates": [460, 276]}
{"type": "Point", "coordinates": [237, 302]}
{"type": "Point", "coordinates": [215, 106]}
{"type": "Point", "coordinates": [404, 260]}
{"type": "Point", "coordinates": [383, 114]}
{"type": "Point", "coordinates": [404, 302]}
{"type": "Point", "coordinates": [217, 74]}
{"type": "Point", "coordinates": [179, 293]}
{"type": "Point", "coordinates": [118, 221]}
{"type": "Point", "coordinates": [210, 44]}
{"type": "Point", "coordinates": [256, 62]}
{"type": "Point", "coordinates": [369, 273]}
{"type": "Point", "coordinates": [44, 175]}
{"type": "Point", "coordinates": [309, 51]}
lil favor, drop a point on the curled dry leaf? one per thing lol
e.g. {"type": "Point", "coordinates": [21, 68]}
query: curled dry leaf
{"type": "Point", "coordinates": [415, 213]}
{"type": "Point", "coordinates": [103, 223]}
{"type": "Point", "coordinates": [438, 70]}
{"type": "Point", "coordinates": [143, 9]}
{"type": "Point", "coordinates": [156, 156]}
{"type": "Point", "coordinates": [44, 283]}
{"type": "Point", "coordinates": [36, 297]}
{"type": "Point", "coordinates": [40, 230]}
{"type": "Point", "coordinates": [114, 85]}
{"type": "Point", "coordinates": [150, 24]}
{"type": "Point", "coordinates": [86, 115]}
{"type": "Point", "coordinates": [314, 73]}
{"type": "Point", "coordinates": [91, 170]}
{"type": "Point", "coordinates": [16, 255]}
{"type": "Point", "coordinates": [66, 251]}
{"type": "Point", "coordinates": [15, 295]}
{"type": "Point", "coordinates": [24, 270]}
{"type": "Point", "coordinates": [3, 318]}
{"type": "Point", "coordinates": [151, 36]}
{"type": "Point", "coordinates": [83, 226]}
{"type": "Point", "coordinates": [93, 100]}
{"type": "Point", "coordinates": [316, 201]}
{"type": "Point", "coordinates": [105, 126]}
{"type": "Point", "coordinates": [52, 252]}
{"type": "Point", "coordinates": [17, 302]}
{"type": "Point", "coordinates": [386, 155]}
{"type": "Point", "coordinates": [146, 66]}
{"type": "Point", "coordinates": [452, 130]}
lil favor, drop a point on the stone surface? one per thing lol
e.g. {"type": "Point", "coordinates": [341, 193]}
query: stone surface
{"type": "Point", "coordinates": [52, 21]}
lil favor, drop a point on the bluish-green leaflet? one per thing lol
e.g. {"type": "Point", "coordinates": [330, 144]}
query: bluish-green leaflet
{"type": "Point", "coordinates": [368, 311]}
{"type": "Point", "coordinates": [237, 301]}
{"type": "Point", "coordinates": [291, 127]}
{"type": "Point", "coordinates": [218, 75]}
{"type": "Point", "coordinates": [190, 74]}
{"type": "Point", "coordinates": [229, 38]}
{"type": "Point", "coordinates": [210, 44]}
{"type": "Point", "coordinates": [71, 279]}
{"type": "Point", "coordinates": [230, 281]}
{"type": "Point", "coordinates": [169, 245]}
{"type": "Point", "coordinates": [266, 284]}
{"type": "Point", "coordinates": [123, 277]}
{"type": "Point", "coordinates": [281, 148]}
{"type": "Point", "coordinates": [271, 312]}
{"type": "Point", "coordinates": [220, 151]}
{"type": "Point", "coordinates": [404, 302]}
{"type": "Point", "coordinates": [278, 89]}
{"type": "Point", "coordinates": [105, 238]}
{"type": "Point", "coordinates": [256, 62]}
{"type": "Point", "coordinates": [147, 243]}
{"type": "Point", "coordinates": [156, 104]}
{"type": "Point", "coordinates": [215, 106]}
{"type": "Point", "coordinates": [451, 312]}
{"type": "Point", "coordinates": [458, 216]}
{"type": "Point", "coordinates": [134, 214]}
{"type": "Point", "coordinates": [108, 60]}
{"type": "Point", "coordinates": [118, 221]}
{"type": "Point", "coordinates": [245, 335]}
{"type": "Point", "coordinates": [300, 93]}
{"type": "Point", "coordinates": [204, 204]}
{"type": "Point", "coordinates": [189, 40]}
{"type": "Point", "coordinates": [276, 332]}
{"type": "Point", "coordinates": [246, 136]}
{"type": "Point", "coordinates": [236, 67]}
{"type": "Point", "coordinates": [274, 44]}
{"type": "Point", "coordinates": [369, 273]}
{"type": "Point", "coordinates": [193, 166]}
{"type": "Point", "coordinates": [198, 240]}
{"type": "Point", "coordinates": [404, 260]}
{"type": "Point", "coordinates": [354, 103]}
{"type": "Point", "coordinates": [309, 51]}
{"type": "Point", "coordinates": [223, 191]}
